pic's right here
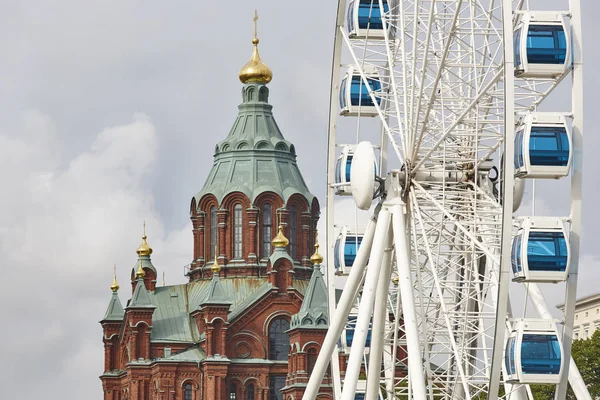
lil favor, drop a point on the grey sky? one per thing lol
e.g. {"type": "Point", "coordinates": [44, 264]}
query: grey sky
{"type": "Point", "coordinates": [109, 112]}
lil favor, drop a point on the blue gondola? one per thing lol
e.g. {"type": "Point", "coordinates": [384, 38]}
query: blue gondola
{"type": "Point", "coordinates": [342, 170]}
{"type": "Point", "coordinates": [540, 251]}
{"type": "Point", "coordinates": [355, 99]}
{"type": "Point", "coordinates": [345, 249]}
{"type": "Point", "coordinates": [364, 19]}
{"type": "Point", "coordinates": [542, 45]}
{"type": "Point", "coordinates": [543, 146]}
{"type": "Point", "coordinates": [533, 353]}
{"type": "Point", "coordinates": [348, 335]}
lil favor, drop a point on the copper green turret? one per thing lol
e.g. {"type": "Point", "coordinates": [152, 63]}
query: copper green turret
{"type": "Point", "coordinates": [255, 157]}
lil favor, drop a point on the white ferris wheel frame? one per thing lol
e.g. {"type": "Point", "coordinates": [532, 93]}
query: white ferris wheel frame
{"type": "Point", "coordinates": [376, 242]}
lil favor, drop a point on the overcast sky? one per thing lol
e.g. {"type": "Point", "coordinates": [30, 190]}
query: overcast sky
{"type": "Point", "coordinates": [109, 112]}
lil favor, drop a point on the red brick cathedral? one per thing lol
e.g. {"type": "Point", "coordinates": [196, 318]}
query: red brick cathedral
{"type": "Point", "coordinates": [249, 323]}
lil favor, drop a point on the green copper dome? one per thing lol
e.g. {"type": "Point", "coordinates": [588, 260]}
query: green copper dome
{"type": "Point", "coordinates": [255, 158]}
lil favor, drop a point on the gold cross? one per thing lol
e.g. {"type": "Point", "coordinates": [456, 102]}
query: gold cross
{"type": "Point", "coordinates": [255, 23]}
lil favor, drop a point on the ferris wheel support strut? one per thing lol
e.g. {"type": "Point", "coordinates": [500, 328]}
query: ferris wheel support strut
{"type": "Point", "coordinates": [379, 322]}
{"type": "Point", "coordinates": [365, 309]}
{"type": "Point", "coordinates": [576, 190]}
{"type": "Point", "coordinates": [405, 287]}
{"type": "Point", "coordinates": [338, 317]}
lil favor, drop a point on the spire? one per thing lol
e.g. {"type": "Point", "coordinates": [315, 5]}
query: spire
{"type": "Point", "coordinates": [313, 312]}
{"type": "Point", "coordinates": [316, 258]}
{"type": "Point", "coordinates": [115, 286]}
{"type": "Point", "coordinates": [144, 249]}
{"type": "Point", "coordinates": [164, 279]}
{"type": "Point", "coordinates": [141, 296]}
{"type": "Point", "coordinates": [115, 311]}
{"type": "Point", "coordinates": [255, 71]}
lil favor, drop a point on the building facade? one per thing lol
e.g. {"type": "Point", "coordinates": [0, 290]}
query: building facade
{"type": "Point", "coordinates": [249, 323]}
{"type": "Point", "coordinates": [587, 316]}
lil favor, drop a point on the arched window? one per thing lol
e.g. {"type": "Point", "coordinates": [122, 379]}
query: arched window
{"type": "Point", "coordinates": [213, 231]}
{"type": "Point", "coordinates": [232, 392]}
{"type": "Point", "coordinates": [311, 360]}
{"type": "Point", "coordinates": [187, 391]}
{"type": "Point", "coordinates": [279, 341]}
{"type": "Point", "coordinates": [267, 229]}
{"type": "Point", "coordinates": [293, 231]}
{"type": "Point", "coordinates": [237, 232]}
{"type": "Point", "coordinates": [250, 392]}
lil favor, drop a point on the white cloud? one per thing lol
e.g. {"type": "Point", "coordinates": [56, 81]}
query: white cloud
{"type": "Point", "coordinates": [62, 229]}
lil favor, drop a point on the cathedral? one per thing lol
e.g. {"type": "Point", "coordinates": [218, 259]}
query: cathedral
{"type": "Point", "coordinates": [249, 323]}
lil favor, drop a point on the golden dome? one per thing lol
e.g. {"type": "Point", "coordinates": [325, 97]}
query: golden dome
{"type": "Point", "coordinates": [395, 280]}
{"type": "Point", "coordinates": [255, 71]}
{"type": "Point", "coordinates": [140, 273]}
{"type": "Point", "coordinates": [215, 268]}
{"type": "Point", "coordinates": [316, 258]}
{"type": "Point", "coordinates": [144, 249]}
{"type": "Point", "coordinates": [115, 286]}
{"type": "Point", "coordinates": [280, 240]}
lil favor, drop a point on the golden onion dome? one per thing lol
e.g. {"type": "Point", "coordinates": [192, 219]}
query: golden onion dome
{"type": "Point", "coordinates": [316, 258]}
{"type": "Point", "coordinates": [280, 240]}
{"type": "Point", "coordinates": [140, 273]}
{"type": "Point", "coordinates": [115, 286]}
{"type": "Point", "coordinates": [144, 249]}
{"type": "Point", "coordinates": [215, 268]}
{"type": "Point", "coordinates": [255, 71]}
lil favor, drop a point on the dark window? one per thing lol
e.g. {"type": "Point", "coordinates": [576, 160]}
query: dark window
{"type": "Point", "coordinates": [213, 231]}
{"type": "Point", "coordinates": [311, 359]}
{"type": "Point", "coordinates": [293, 230]}
{"type": "Point", "coordinates": [232, 392]}
{"type": "Point", "coordinates": [276, 383]}
{"type": "Point", "coordinates": [237, 232]}
{"type": "Point", "coordinates": [187, 391]}
{"type": "Point", "coordinates": [267, 224]}
{"type": "Point", "coordinates": [279, 340]}
{"type": "Point", "coordinates": [250, 392]}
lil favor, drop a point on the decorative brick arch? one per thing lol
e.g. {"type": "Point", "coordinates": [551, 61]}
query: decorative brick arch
{"type": "Point", "coordinates": [301, 238]}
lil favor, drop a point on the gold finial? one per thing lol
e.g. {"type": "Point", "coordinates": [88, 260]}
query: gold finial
{"type": "Point", "coordinates": [255, 71]}
{"type": "Point", "coordinates": [140, 273]}
{"type": "Point", "coordinates": [316, 258]}
{"type": "Point", "coordinates": [164, 279]}
{"type": "Point", "coordinates": [144, 249]}
{"type": "Point", "coordinates": [215, 268]}
{"type": "Point", "coordinates": [115, 286]}
{"type": "Point", "coordinates": [280, 240]}
{"type": "Point", "coordinates": [395, 280]}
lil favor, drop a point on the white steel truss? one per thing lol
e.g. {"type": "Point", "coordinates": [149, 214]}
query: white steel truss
{"type": "Point", "coordinates": [447, 111]}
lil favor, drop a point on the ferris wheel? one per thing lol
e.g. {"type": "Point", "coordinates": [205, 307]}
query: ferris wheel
{"type": "Point", "coordinates": [435, 130]}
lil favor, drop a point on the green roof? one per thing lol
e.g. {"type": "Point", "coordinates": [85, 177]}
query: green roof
{"type": "Point", "coordinates": [115, 311]}
{"type": "Point", "coordinates": [313, 312]}
{"type": "Point", "coordinates": [255, 158]}
{"type": "Point", "coordinates": [141, 296]}
{"type": "Point", "coordinates": [216, 293]}
{"type": "Point", "coordinates": [171, 320]}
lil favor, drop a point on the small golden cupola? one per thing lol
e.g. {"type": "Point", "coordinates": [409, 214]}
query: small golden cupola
{"type": "Point", "coordinates": [280, 240]}
{"type": "Point", "coordinates": [115, 286]}
{"type": "Point", "coordinates": [140, 273]}
{"type": "Point", "coordinates": [215, 268]}
{"type": "Point", "coordinates": [255, 71]}
{"type": "Point", "coordinates": [144, 249]}
{"type": "Point", "coordinates": [316, 258]}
